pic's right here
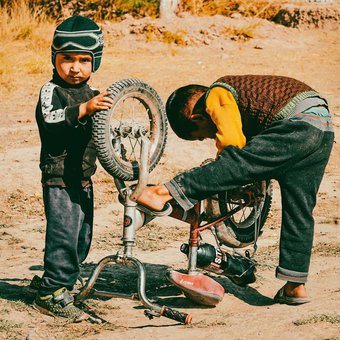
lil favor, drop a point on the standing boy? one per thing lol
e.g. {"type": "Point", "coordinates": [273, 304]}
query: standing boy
{"type": "Point", "coordinates": [265, 127]}
{"type": "Point", "coordinates": [67, 160]}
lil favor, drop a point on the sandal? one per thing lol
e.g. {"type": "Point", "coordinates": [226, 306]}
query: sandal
{"type": "Point", "coordinates": [282, 298]}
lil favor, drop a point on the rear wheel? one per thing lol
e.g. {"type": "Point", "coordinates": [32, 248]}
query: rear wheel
{"type": "Point", "coordinates": [244, 222]}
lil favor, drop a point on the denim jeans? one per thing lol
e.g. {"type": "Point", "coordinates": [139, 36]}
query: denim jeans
{"type": "Point", "coordinates": [294, 152]}
{"type": "Point", "coordinates": [69, 216]}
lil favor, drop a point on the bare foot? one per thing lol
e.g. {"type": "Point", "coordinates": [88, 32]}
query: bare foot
{"type": "Point", "coordinates": [154, 197]}
{"type": "Point", "coordinates": [295, 289]}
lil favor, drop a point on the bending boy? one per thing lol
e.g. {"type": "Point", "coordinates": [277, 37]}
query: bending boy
{"type": "Point", "coordinates": [265, 127]}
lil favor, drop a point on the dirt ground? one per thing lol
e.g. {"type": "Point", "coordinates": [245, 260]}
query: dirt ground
{"type": "Point", "coordinates": [306, 53]}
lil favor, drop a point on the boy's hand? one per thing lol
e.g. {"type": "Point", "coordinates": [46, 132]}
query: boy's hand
{"type": "Point", "coordinates": [97, 103]}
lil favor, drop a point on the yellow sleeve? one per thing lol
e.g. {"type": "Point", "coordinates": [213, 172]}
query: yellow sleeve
{"type": "Point", "coordinates": [224, 112]}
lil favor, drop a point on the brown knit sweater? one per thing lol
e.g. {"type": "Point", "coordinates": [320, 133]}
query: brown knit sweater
{"type": "Point", "coordinates": [263, 99]}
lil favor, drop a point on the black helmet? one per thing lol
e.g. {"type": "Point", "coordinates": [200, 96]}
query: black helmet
{"type": "Point", "coordinates": [79, 34]}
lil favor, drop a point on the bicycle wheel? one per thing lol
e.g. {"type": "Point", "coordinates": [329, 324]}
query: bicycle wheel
{"type": "Point", "coordinates": [137, 112]}
{"type": "Point", "coordinates": [243, 222]}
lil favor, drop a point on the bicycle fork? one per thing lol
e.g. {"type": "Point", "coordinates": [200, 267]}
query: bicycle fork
{"type": "Point", "coordinates": [133, 220]}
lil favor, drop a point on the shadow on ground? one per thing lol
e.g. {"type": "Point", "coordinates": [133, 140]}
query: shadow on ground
{"type": "Point", "coordinates": [14, 289]}
{"type": "Point", "coordinates": [122, 279]}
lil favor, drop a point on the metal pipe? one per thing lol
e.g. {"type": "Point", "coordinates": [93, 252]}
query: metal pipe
{"type": "Point", "coordinates": [192, 260]}
{"type": "Point", "coordinates": [141, 285]}
{"type": "Point", "coordinates": [193, 241]}
{"type": "Point", "coordinates": [143, 169]}
{"type": "Point", "coordinates": [120, 185]}
{"type": "Point", "coordinates": [88, 288]}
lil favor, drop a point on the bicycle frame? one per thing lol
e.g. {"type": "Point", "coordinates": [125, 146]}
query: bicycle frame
{"type": "Point", "coordinates": [134, 219]}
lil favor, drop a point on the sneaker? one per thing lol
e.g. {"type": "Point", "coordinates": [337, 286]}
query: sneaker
{"type": "Point", "coordinates": [32, 289]}
{"type": "Point", "coordinates": [59, 304]}
{"type": "Point", "coordinates": [34, 286]}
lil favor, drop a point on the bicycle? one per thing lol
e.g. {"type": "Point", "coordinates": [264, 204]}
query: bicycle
{"type": "Point", "coordinates": [130, 139]}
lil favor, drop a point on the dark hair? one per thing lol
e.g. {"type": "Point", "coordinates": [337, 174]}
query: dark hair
{"type": "Point", "coordinates": [180, 106]}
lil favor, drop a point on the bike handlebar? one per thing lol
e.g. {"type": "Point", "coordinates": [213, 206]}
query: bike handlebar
{"type": "Point", "coordinates": [175, 315]}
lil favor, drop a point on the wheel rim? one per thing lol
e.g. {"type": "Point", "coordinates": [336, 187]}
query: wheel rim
{"type": "Point", "coordinates": [129, 119]}
{"type": "Point", "coordinates": [247, 216]}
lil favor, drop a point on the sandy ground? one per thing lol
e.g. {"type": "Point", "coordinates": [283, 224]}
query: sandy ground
{"type": "Point", "coordinates": [311, 55]}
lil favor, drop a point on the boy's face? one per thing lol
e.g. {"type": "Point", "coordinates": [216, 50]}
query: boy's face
{"type": "Point", "coordinates": [205, 129]}
{"type": "Point", "coordinates": [73, 67]}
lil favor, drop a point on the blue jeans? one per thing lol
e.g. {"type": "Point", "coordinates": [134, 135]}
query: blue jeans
{"type": "Point", "coordinates": [69, 216]}
{"type": "Point", "coordinates": [293, 151]}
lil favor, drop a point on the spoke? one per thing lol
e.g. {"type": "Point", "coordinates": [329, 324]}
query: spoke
{"type": "Point", "coordinates": [134, 146]}
{"type": "Point", "coordinates": [130, 114]}
{"type": "Point", "coordinates": [132, 153]}
{"type": "Point", "coordinates": [139, 141]}
{"type": "Point", "coordinates": [242, 218]}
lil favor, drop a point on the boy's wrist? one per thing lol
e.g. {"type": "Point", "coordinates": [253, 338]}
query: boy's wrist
{"type": "Point", "coordinates": [82, 111]}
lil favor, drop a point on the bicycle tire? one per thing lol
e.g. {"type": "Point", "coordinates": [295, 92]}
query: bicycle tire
{"type": "Point", "coordinates": [106, 123]}
{"type": "Point", "coordinates": [244, 231]}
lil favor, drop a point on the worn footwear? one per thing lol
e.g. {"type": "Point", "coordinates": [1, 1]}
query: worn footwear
{"type": "Point", "coordinates": [282, 298]}
{"type": "Point", "coordinates": [59, 304]}
{"type": "Point", "coordinates": [32, 289]}
{"type": "Point", "coordinates": [34, 286]}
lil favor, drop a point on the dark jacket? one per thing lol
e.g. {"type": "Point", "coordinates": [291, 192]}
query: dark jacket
{"type": "Point", "coordinates": [67, 156]}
